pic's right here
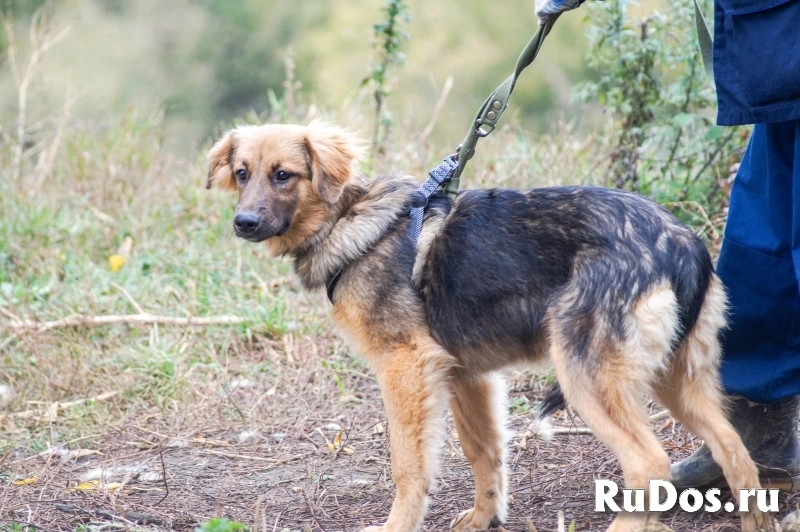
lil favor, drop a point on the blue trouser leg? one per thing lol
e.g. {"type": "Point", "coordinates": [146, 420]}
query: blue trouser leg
{"type": "Point", "coordinates": [760, 267]}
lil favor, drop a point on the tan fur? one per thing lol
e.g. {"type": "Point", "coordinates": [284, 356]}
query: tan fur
{"type": "Point", "coordinates": [336, 220]}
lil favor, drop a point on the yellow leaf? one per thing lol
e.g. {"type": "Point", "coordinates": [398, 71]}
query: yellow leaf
{"type": "Point", "coordinates": [25, 482]}
{"type": "Point", "coordinates": [93, 485]}
{"type": "Point", "coordinates": [337, 440]}
{"type": "Point", "coordinates": [86, 486]}
{"type": "Point", "coordinates": [349, 449]}
{"type": "Point", "coordinates": [80, 453]}
{"type": "Point", "coordinates": [116, 262]}
{"type": "Point", "coordinates": [330, 447]}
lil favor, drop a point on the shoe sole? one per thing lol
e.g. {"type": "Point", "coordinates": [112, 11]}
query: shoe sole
{"type": "Point", "coordinates": [789, 484]}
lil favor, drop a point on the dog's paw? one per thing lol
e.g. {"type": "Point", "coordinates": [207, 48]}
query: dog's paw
{"type": "Point", "coordinates": [756, 521]}
{"type": "Point", "coordinates": [471, 520]}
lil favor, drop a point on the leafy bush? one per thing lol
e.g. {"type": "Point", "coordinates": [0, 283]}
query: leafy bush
{"type": "Point", "coordinates": [662, 139]}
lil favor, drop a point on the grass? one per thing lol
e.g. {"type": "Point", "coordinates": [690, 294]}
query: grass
{"type": "Point", "coordinates": [282, 374]}
{"type": "Point", "coordinates": [114, 187]}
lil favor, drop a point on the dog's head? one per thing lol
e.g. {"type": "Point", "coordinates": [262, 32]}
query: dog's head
{"type": "Point", "coordinates": [288, 177]}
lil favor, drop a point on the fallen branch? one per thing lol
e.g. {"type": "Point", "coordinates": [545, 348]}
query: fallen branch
{"type": "Point", "coordinates": [664, 414]}
{"type": "Point", "coordinates": [572, 430]}
{"type": "Point", "coordinates": [55, 407]}
{"type": "Point", "coordinates": [146, 319]}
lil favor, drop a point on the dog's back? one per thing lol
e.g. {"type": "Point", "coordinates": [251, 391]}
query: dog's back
{"type": "Point", "coordinates": [506, 263]}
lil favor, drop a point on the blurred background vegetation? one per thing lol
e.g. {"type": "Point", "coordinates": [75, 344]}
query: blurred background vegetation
{"type": "Point", "coordinates": [206, 62]}
{"type": "Point", "coordinates": [107, 108]}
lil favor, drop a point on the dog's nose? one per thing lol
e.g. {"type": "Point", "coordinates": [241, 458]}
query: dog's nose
{"type": "Point", "coordinates": [246, 222]}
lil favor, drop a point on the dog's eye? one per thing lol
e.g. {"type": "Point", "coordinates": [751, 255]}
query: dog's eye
{"type": "Point", "coordinates": [241, 175]}
{"type": "Point", "coordinates": [283, 175]}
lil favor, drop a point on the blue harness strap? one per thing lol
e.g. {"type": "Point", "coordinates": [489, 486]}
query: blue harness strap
{"type": "Point", "coordinates": [436, 178]}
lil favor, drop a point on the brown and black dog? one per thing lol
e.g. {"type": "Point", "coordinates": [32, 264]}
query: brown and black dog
{"type": "Point", "coordinates": [620, 295]}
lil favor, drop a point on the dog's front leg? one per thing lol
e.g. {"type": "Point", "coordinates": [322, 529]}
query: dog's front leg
{"type": "Point", "coordinates": [479, 407]}
{"type": "Point", "coordinates": [413, 379]}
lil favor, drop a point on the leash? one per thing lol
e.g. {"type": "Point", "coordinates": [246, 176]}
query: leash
{"type": "Point", "coordinates": [447, 176]}
{"type": "Point", "coordinates": [704, 37]}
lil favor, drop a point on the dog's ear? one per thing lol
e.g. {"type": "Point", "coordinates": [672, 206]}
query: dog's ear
{"type": "Point", "coordinates": [220, 158]}
{"type": "Point", "coordinates": [333, 153]}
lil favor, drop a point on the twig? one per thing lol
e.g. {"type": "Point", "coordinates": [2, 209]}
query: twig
{"type": "Point", "coordinates": [63, 406]}
{"type": "Point", "coordinates": [150, 319]}
{"type": "Point", "coordinates": [163, 475]}
{"type": "Point", "coordinates": [571, 430]}
{"type": "Point", "coordinates": [561, 527]}
{"type": "Point", "coordinates": [38, 50]}
{"type": "Point", "coordinates": [7, 313]}
{"type": "Point", "coordinates": [130, 299]}
{"type": "Point", "coordinates": [664, 414]}
{"type": "Point", "coordinates": [3, 459]}
{"type": "Point", "coordinates": [713, 156]}
{"type": "Point", "coordinates": [437, 109]}
{"type": "Point", "coordinates": [256, 458]}
{"type": "Point", "coordinates": [228, 394]}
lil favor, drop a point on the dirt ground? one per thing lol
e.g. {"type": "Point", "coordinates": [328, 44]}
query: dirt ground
{"type": "Point", "coordinates": [298, 452]}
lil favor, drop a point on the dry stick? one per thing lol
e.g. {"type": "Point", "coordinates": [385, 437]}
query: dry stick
{"type": "Point", "coordinates": [38, 50]}
{"type": "Point", "coordinates": [437, 109]}
{"type": "Point", "coordinates": [256, 458]}
{"type": "Point", "coordinates": [148, 319]}
{"type": "Point", "coordinates": [127, 295]}
{"type": "Point", "coordinates": [163, 474]}
{"type": "Point", "coordinates": [585, 430]}
{"type": "Point", "coordinates": [63, 406]}
{"type": "Point", "coordinates": [561, 527]}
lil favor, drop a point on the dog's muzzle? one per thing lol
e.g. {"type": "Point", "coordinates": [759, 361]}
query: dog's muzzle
{"type": "Point", "coordinates": [252, 227]}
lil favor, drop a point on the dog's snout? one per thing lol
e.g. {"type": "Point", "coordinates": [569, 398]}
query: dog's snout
{"type": "Point", "coordinates": [246, 222]}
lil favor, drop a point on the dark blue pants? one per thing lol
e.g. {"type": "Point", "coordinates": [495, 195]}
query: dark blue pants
{"type": "Point", "coordinates": [760, 267]}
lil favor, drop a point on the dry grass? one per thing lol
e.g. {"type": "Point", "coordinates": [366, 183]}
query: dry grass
{"type": "Point", "coordinates": [226, 420]}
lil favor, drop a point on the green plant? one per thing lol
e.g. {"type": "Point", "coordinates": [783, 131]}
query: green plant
{"type": "Point", "coordinates": [220, 524]}
{"type": "Point", "coordinates": [388, 37]}
{"type": "Point", "coordinates": [650, 80]}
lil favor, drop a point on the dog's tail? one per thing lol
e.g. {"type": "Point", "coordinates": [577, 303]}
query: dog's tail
{"type": "Point", "coordinates": [691, 276]}
{"type": "Point", "coordinates": [554, 401]}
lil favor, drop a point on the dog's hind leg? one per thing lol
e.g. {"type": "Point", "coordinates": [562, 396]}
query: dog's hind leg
{"type": "Point", "coordinates": [479, 410]}
{"type": "Point", "coordinates": [609, 401]}
{"type": "Point", "coordinates": [691, 390]}
{"type": "Point", "coordinates": [414, 379]}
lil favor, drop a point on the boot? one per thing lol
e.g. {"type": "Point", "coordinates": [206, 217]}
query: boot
{"type": "Point", "coordinates": [769, 432]}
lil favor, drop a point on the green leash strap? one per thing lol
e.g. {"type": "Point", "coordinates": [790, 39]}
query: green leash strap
{"type": "Point", "coordinates": [493, 107]}
{"type": "Point", "coordinates": [704, 36]}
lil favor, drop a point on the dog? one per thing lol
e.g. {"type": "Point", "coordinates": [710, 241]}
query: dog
{"type": "Point", "coordinates": [620, 295]}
